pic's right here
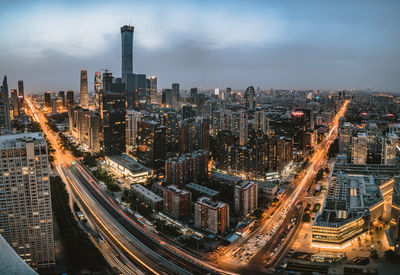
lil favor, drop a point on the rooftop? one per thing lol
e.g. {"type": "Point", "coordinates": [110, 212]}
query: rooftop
{"type": "Point", "coordinates": [177, 190]}
{"type": "Point", "coordinates": [211, 203]}
{"type": "Point", "coordinates": [202, 189]}
{"type": "Point", "coordinates": [14, 139]}
{"type": "Point", "coordinates": [146, 193]}
{"type": "Point", "coordinates": [129, 163]}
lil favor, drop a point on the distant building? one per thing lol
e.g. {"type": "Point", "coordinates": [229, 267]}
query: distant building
{"type": "Point", "coordinates": [21, 93]}
{"type": "Point", "coordinates": [246, 197]}
{"type": "Point", "coordinates": [97, 89]}
{"type": "Point", "coordinates": [250, 98]}
{"type": "Point", "coordinates": [239, 126]}
{"type": "Point", "coordinates": [47, 99]}
{"type": "Point", "coordinates": [84, 94]}
{"type": "Point", "coordinates": [70, 100]}
{"type": "Point", "coordinates": [176, 201]}
{"type": "Point", "coordinates": [25, 197]}
{"type": "Point", "coordinates": [212, 216]}
{"type": "Point", "coordinates": [5, 121]}
{"type": "Point", "coordinates": [127, 51]}
{"type": "Point", "coordinates": [152, 81]}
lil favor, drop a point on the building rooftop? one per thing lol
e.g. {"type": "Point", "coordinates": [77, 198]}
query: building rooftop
{"type": "Point", "coordinates": [245, 184]}
{"type": "Point", "coordinates": [146, 193]}
{"type": "Point", "coordinates": [16, 139]}
{"type": "Point", "coordinates": [11, 262]}
{"type": "Point", "coordinates": [129, 163]}
{"type": "Point", "coordinates": [202, 189]}
{"type": "Point", "coordinates": [211, 203]}
{"type": "Point", "coordinates": [353, 189]}
{"type": "Point", "coordinates": [177, 190]}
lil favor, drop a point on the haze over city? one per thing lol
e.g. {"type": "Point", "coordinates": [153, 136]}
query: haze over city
{"type": "Point", "coordinates": [213, 44]}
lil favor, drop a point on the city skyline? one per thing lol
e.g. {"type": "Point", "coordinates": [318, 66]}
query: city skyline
{"type": "Point", "coordinates": [271, 45]}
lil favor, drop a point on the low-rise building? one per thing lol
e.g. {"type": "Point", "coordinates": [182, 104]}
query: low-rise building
{"type": "Point", "coordinates": [202, 189]}
{"type": "Point", "coordinates": [129, 167]}
{"type": "Point", "coordinates": [147, 196]}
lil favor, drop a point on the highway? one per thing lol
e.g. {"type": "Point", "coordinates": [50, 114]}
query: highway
{"type": "Point", "coordinates": [145, 248]}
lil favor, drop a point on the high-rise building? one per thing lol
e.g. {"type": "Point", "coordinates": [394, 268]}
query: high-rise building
{"type": "Point", "coordinates": [153, 89]}
{"type": "Point", "coordinates": [240, 126]}
{"type": "Point", "coordinates": [170, 121]}
{"type": "Point", "coordinates": [113, 110]}
{"type": "Point", "coordinates": [47, 99]}
{"type": "Point", "coordinates": [359, 149]}
{"type": "Point", "coordinates": [136, 90]}
{"type": "Point", "coordinates": [70, 101]}
{"type": "Point", "coordinates": [14, 103]}
{"type": "Point", "coordinates": [389, 149]}
{"type": "Point", "coordinates": [132, 119]}
{"type": "Point", "coordinates": [345, 134]}
{"type": "Point", "coordinates": [250, 98]}
{"type": "Point", "coordinates": [61, 95]}
{"type": "Point", "coordinates": [193, 96]}
{"type": "Point", "coordinates": [108, 80]}
{"type": "Point", "coordinates": [190, 167]}
{"type": "Point", "coordinates": [21, 93]}
{"type": "Point", "coordinates": [26, 220]}
{"type": "Point", "coordinates": [127, 51]}
{"type": "Point", "coordinates": [166, 98]}
{"type": "Point", "coordinates": [261, 122]}
{"type": "Point", "coordinates": [97, 88]}
{"type": "Point", "coordinates": [176, 201]}
{"type": "Point", "coordinates": [212, 216]}
{"type": "Point", "coordinates": [84, 93]}
{"type": "Point", "coordinates": [5, 122]}
{"type": "Point", "coordinates": [151, 144]}
{"type": "Point", "coordinates": [175, 94]}
{"type": "Point", "coordinates": [54, 106]}
{"type": "Point", "coordinates": [246, 197]}
{"type": "Point", "coordinates": [93, 134]}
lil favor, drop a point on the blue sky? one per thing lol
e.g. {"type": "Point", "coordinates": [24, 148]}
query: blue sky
{"type": "Point", "coordinates": [271, 44]}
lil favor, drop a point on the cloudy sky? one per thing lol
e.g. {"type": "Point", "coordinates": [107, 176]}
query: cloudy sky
{"type": "Point", "coordinates": [279, 44]}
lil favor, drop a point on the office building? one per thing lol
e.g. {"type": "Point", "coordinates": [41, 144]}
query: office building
{"type": "Point", "coordinates": [25, 200]}
{"type": "Point", "coordinates": [151, 147]}
{"type": "Point", "coordinates": [61, 96]}
{"type": "Point", "coordinates": [14, 103]}
{"type": "Point", "coordinates": [136, 90]}
{"type": "Point", "coordinates": [166, 98]}
{"type": "Point", "coordinates": [69, 101]}
{"type": "Point", "coordinates": [21, 93]}
{"type": "Point", "coordinates": [212, 216]}
{"type": "Point", "coordinates": [54, 106]}
{"type": "Point", "coordinates": [193, 96]}
{"type": "Point", "coordinates": [84, 93]}
{"type": "Point", "coordinates": [113, 111]}
{"type": "Point", "coordinates": [345, 138]}
{"type": "Point", "coordinates": [176, 201]}
{"type": "Point", "coordinates": [47, 99]}
{"type": "Point", "coordinates": [5, 121]}
{"type": "Point", "coordinates": [132, 119]}
{"type": "Point", "coordinates": [389, 143]}
{"type": "Point", "coordinates": [175, 95]}
{"type": "Point", "coordinates": [92, 138]}
{"type": "Point", "coordinates": [127, 51]}
{"type": "Point", "coordinates": [97, 89]}
{"type": "Point", "coordinates": [152, 86]}
{"type": "Point", "coordinates": [170, 121]}
{"type": "Point", "coordinates": [246, 197]}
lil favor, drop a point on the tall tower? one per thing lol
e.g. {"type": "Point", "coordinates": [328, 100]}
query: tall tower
{"type": "Point", "coordinates": [4, 106]}
{"type": "Point", "coordinates": [84, 96]}
{"type": "Point", "coordinates": [127, 51]}
{"type": "Point", "coordinates": [21, 93]}
{"type": "Point", "coordinates": [97, 88]}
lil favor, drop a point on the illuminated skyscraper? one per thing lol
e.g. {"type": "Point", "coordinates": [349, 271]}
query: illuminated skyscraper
{"type": "Point", "coordinates": [4, 106]}
{"type": "Point", "coordinates": [132, 119]}
{"type": "Point", "coordinates": [127, 51]}
{"type": "Point", "coordinates": [153, 89]}
{"type": "Point", "coordinates": [84, 95]}
{"type": "Point", "coordinates": [97, 88]}
{"type": "Point", "coordinates": [69, 102]}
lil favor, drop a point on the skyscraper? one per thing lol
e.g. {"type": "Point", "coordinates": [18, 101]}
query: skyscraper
{"type": "Point", "coordinates": [132, 119]}
{"type": "Point", "coordinates": [47, 99]}
{"type": "Point", "coordinates": [212, 216]}
{"type": "Point", "coordinates": [84, 94]}
{"type": "Point", "coordinates": [175, 94]}
{"type": "Point", "coordinates": [127, 51]}
{"type": "Point", "coordinates": [151, 144]}
{"type": "Point", "coordinates": [21, 93]}
{"type": "Point", "coordinates": [97, 88]}
{"type": "Point", "coordinates": [4, 106]}
{"type": "Point", "coordinates": [26, 220]}
{"type": "Point", "coordinates": [250, 98]}
{"type": "Point", "coordinates": [14, 103]}
{"type": "Point", "coordinates": [70, 101]}
{"type": "Point", "coordinates": [153, 89]}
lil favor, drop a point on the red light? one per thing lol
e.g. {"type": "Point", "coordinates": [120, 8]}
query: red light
{"type": "Point", "coordinates": [297, 113]}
